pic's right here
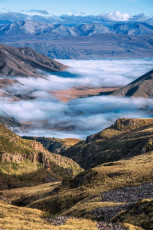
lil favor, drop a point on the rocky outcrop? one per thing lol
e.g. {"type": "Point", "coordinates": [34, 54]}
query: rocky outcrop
{"type": "Point", "coordinates": [109, 226]}
{"type": "Point", "coordinates": [124, 124]}
{"type": "Point", "coordinates": [54, 145]}
{"type": "Point", "coordinates": [7, 157]}
{"type": "Point", "coordinates": [26, 163]}
{"type": "Point", "coordinates": [129, 194]}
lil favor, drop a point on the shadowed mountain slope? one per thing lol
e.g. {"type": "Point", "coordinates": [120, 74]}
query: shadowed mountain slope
{"type": "Point", "coordinates": [141, 87]}
{"type": "Point", "coordinates": [25, 62]}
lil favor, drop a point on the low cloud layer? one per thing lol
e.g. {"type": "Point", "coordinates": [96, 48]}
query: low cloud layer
{"type": "Point", "coordinates": [83, 116]}
{"type": "Point", "coordinates": [77, 118]}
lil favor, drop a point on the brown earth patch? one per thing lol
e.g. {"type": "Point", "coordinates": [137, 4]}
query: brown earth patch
{"type": "Point", "coordinates": [78, 92]}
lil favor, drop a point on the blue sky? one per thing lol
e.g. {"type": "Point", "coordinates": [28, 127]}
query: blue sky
{"type": "Point", "coordinates": [58, 7]}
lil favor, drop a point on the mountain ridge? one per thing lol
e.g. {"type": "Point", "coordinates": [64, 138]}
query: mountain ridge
{"type": "Point", "coordinates": [81, 41]}
{"type": "Point", "coordinates": [84, 29]}
{"type": "Point", "coordinates": [141, 87]}
{"type": "Point", "coordinates": [25, 62]}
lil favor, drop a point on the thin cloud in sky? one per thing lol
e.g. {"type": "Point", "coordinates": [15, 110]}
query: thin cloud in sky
{"type": "Point", "coordinates": [88, 6]}
{"type": "Point", "coordinates": [115, 16]}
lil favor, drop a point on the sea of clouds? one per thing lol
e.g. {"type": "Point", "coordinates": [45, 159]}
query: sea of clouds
{"type": "Point", "coordinates": [83, 116]}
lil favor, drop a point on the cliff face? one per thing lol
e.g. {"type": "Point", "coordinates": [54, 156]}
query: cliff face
{"type": "Point", "coordinates": [55, 145]}
{"type": "Point", "coordinates": [20, 159]}
{"type": "Point", "coordinates": [125, 139]}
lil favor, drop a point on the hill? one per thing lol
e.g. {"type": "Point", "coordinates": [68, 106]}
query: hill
{"type": "Point", "coordinates": [98, 194]}
{"type": "Point", "coordinates": [123, 140]}
{"type": "Point", "coordinates": [25, 162]}
{"type": "Point", "coordinates": [141, 87]}
{"type": "Point", "coordinates": [114, 191]}
{"type": "Point", "coordinates": [25, 62]}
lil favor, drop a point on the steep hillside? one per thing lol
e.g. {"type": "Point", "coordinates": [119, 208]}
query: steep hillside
{"type": "Point", "coordinates": [99, 193]}
{"type": "Point", "coordinates": [12, 217]}
{"type": "Point", "coordinates": [25, 162]}
{"type": "Point", "coordinates": [141, 87]}
{"type": "Point", "coordinates": [55, 145]}
{"type": "Point", "coordinates": [108, 193]}
{"type": "Point", "coordinates": [25, 62]}
{"type": "Point", "coordinates": [123, 140]}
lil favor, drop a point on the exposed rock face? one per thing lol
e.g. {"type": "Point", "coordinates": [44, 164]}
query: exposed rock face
{"type": "Point", "coordinates": [25, 62]}
{"type": "Point", "coordinates": [125, 139]}
{"type": "Point", "coordinates": [106, 213]}
{"type": "Point", "coordinates": [39, 155]}
{"type": "Point", "coordinates": [7, 157]}
{"type": "Point", "coordinates": [129, 194]}
{"type": "Point", "coordinates": [109, 226]}
{"type": "Point", "coordinates": [26, 162]}
{"type": "Point", "coordinates": [55, 145]}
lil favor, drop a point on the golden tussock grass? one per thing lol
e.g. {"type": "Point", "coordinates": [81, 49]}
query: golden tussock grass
{"type": "Point", "coordinates": [15, 218]}
{"type": "Point", "coordinates": [35, 191]}
{"type": "Point", "coordinates": [87, 186]}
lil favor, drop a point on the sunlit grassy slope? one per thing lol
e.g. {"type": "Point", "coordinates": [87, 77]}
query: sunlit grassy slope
{"type": "Point", "coordinates": [25, 162]}
{"type": "Point", "coordinates": [15, 218]}
{"type": "Point", "coordinates": [82, 194]}
{"type": "Point", "coordinates": [125, 139]}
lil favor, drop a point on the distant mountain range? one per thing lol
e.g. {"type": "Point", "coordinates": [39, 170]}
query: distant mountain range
{"type": "Point", "coordinates": [35, 29]}
{"type": "Point", "coordinates": [72, 19]}
{"type": "Point", "coordinates": [81, 41]}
